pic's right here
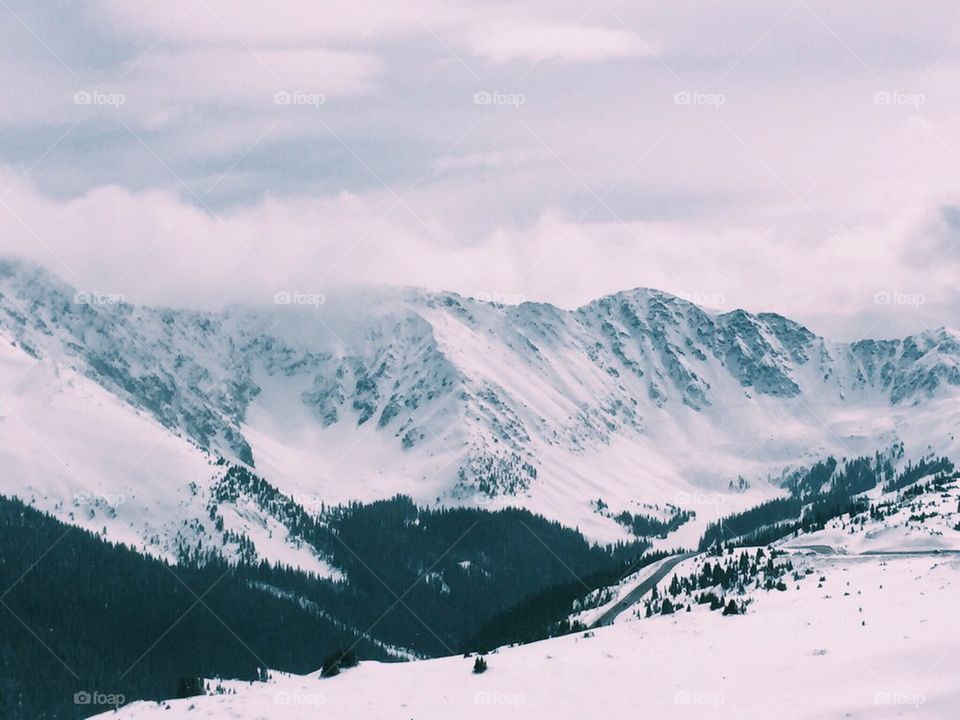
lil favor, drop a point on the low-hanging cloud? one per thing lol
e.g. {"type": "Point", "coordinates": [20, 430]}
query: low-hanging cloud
{"type": "Point", "coordinates": [155, 248]}
{"type": "Point", "coordinates": [797, 158]}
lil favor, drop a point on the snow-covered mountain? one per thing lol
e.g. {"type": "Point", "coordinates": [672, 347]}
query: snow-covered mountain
{"type": "Point", "coordinates": [639, 399]}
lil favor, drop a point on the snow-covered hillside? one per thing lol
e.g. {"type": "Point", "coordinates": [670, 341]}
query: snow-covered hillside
{"type": "Point", "coordinates": [637, 399]}
{"type": "Point", "coordinates": [922, 517]}
{"type": "Point", "coordinates": [73, 449]}
{"type": "Point", "coordinates": [802, 629]}
{"type": "Point", "coordinates": [875, 638]}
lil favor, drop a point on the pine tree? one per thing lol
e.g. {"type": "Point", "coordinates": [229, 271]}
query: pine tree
{"type": "Point", "coordinates": [674, 586]}
{"type": "Point", "coordinates": [189, 687]}
{"type": "Point", "coordinates": [731, 608]}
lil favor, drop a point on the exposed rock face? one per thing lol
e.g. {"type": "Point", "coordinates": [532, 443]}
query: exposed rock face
{"type": "Point", "coordinates": [495, 385]}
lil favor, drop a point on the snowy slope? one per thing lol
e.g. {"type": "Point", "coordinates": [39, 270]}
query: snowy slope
{"type": "Point", "coordinates": [876, 639]}
{"type": "Point", "coordinates": [73, 449]}
{"type": "Point", "coordinates": [913, 520]}
{"type": "Point", "coordinates": [824, 633]}
{"type": "Point", "coordinates": [638, 398]}
{"type": "Point", "coordinates": [920, 518]}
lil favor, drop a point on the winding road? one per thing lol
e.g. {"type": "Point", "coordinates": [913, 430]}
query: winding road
{"type": "Point", "coordinates": [829, 550]}
{"type": "Point", "coordinates": [634, 596]}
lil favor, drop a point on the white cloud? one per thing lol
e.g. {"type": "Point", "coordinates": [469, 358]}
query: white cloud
{"type": "Point", "coordinates": [154, 248]}
{"type": "Point", "coordinates": [524, 39]}
{"type": "Point", "coordinates": [253, 24]}
{"type": "Point", "coordinates": [240, 77]}
{"type": "Point", "coordinates": [799, 193]}
{"type": "Point", "coordinates": [489, 160]}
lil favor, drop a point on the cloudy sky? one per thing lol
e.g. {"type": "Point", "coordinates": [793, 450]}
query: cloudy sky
{"type": "Point", "coordinates": [799, 157]}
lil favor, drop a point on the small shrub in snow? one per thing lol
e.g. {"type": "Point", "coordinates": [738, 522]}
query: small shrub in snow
{"type": "Point", "coordinates": [338, 661]}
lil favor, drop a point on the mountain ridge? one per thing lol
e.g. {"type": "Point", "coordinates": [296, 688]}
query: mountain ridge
{"type": "Point", "coordinates": [639, 398]}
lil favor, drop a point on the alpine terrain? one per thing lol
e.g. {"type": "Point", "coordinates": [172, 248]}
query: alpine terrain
{"type": "Point", "coordinates": [638, 402]}
{"type": "Point", "coordinates": [395, 474]}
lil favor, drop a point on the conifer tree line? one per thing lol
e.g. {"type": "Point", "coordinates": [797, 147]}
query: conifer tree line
{"type": "Point", "coordinates": [828, 490]}
{"type": "Point", "coordinates": [461, 567]}
{"type": "Point", "coordinates": [99, 606]}
{"type": "Point", "coordinates": [719, 582]}
{"type": "Point", "coordinates": [643, 525]}
{"type": "Point", "coordinates": [114, 622]}
{"type": "Point", "coordinates": [479, 578]}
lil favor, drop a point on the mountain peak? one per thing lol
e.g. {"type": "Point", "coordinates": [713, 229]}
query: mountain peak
{"type": "Point", "coordinates": [455, 400]}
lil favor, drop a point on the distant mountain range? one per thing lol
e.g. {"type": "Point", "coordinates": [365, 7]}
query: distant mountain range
{"type": "Point", "coordinates": [113, 416]}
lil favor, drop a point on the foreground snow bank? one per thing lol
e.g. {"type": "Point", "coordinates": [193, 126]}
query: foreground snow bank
{"type": "Point", "coordinates": [876, 638]}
